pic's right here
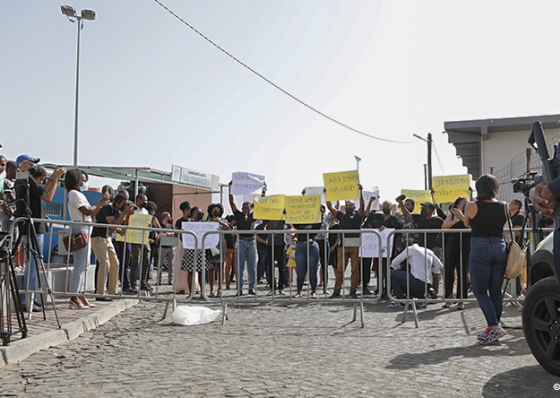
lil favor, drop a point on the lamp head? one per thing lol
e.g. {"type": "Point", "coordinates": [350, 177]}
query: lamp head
{"type": "Point", "coordinates": [88, 14]}
{"type": "Point", "coordinates": [68, 11]}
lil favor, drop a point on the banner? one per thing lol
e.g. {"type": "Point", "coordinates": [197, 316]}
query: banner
{"type": "Point", "coordinates": [245, 183]}
{"type": "Point", "coordinates": [370, 243]}
{"type": "Point", "coordinates": [268, 207]}
{"type": "Point", "coordinates": [140, 237]}
{"type": "Point", "coordinates": [304, 209]}
{"type": "Point", "coordinates": [342, 185]}
{"type": "Point", "coordinates": [418, 197]}
{"type": "Point", "coordinates": [200, 228]}
{"type": "Point", "coordinates": [449, 188]}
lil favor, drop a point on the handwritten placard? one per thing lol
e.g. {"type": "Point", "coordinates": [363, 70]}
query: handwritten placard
{"type": "Point", "coordinates": [139, 237]}
{"type": "Point", "coordinates": [370, 243]}
{"type": "Point", "coordinates": [419, 197]}
{"type": "Point", "coordinates": [316, 191]}
{"type": "Point", "coordinates": [449, 188]}
{"type": "Point", "coordinates": [342, 185]}
{"type": "Point", "coordinates": [200, 228]}
{"type": "Point", "coordinates": [245, 183]}
{"type": "Point", "coordinates": [304, 209]}
{"type": "Point", "coordinates": [367, 195]}
{"type": "Point", "coordinates": [268, 207]}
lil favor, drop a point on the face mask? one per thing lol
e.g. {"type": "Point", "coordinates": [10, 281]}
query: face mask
{"type": "Point", "coordinates": [216, 213]}
{"type": "Point", "coordinates": [424, 212]}
{"type": "Point", "coordinates": [349, 210]}
{"type": "Point", "coordinates": [83, 188]}
{"type": "Point", "coordinates": [386, 211]}
{"type": "Point", "coordinates": [143, 205]}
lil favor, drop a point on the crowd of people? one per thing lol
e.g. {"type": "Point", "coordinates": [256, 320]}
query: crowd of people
{"type": "Point", "coordinates": [417, 258]}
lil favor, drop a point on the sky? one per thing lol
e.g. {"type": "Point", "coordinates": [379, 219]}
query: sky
{"type": "Point", "coordinates": [155, 93]}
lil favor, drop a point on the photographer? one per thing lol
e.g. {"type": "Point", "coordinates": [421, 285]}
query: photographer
{"type": "Point", "coordinates": [37, 193]}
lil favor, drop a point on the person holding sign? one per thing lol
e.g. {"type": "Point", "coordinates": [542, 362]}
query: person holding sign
{"type": "Point", "coordinates": [195, 263]}
{"type": "Point", "coordinates": [350, 249]}
{"type": "Point", "coordinates": [247, 250]}
{"type": "Point", "coordinates": [140, 252]}
{"type": "Point", "coordinates": [379, 221]}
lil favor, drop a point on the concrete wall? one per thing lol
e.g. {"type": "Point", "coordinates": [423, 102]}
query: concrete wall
{"type": "Point", "coordinates": [501, 147]}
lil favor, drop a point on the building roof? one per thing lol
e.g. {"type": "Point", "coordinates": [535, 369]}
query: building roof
{"type": "Point", "coordinates": [144, 174]}
{"type": "Point", "coordinates": [467, 136]}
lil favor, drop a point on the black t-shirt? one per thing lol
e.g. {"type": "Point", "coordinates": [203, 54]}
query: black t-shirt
{"type": "Point", "coordinates": [275, 225]}
{"type": "Point", "coordinates": [430, 223]}
{"type": "Point", "coordinates": [179, 225]}
{"type": "Point", "coordinates": [377, 220]}
{"type": "Point", "coordinates": [101, 218]}
{"type": "Point", "coordinates": [517, 220]}
{"type": "Point", "coordinates": [350, 221]}
{"type": "Point", "coordinates": [261, 246]}
{"type": "Point", "coordinates": [37, 209]}
{"type": "Point", "coordinates": [243, 222]}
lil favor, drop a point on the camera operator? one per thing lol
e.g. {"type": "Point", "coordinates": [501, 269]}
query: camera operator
{"type": "Point", "coordinates": [27, 163]}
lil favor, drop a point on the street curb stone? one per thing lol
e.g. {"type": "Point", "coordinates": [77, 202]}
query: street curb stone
{"type": "Point", "coordinates": [23, 348]}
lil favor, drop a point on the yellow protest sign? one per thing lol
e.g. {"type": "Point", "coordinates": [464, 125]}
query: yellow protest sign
{"type": "Point", "coordinates": [268, 207]}
{"type": "Point", "coordinates": [342, 185]}
{"type": "Point", "coordinates": [448, 188]}
{"type": "Point", "coordinates": [304, 209]}
{"type": "Point", "coordinates": [418, 197]}
{"type": "Point", "coordinates": [135, 236]}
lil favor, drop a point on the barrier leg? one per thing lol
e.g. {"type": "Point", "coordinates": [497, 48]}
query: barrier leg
{"type": "Point", "coordinates": [362, 313]}
{"type": "Point", "coordinates": [165, 310]}
{"type": "Point", "coordinates": [415, 313]}
{"type": "Point", "coordinates": [355, 311]}
{"type": "Point", "coordinates": [224, 312]}
{"type": "Point", "coordinates": [404, 312]}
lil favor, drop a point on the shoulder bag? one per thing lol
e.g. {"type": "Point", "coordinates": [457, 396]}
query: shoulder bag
{"type": "Point", "coordinates": [516, 256]}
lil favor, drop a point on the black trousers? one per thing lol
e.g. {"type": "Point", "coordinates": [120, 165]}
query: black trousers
{"type": "Point", "coordinates": [280, 257]}
{"type": "Point", "coordinates": [453, 262]}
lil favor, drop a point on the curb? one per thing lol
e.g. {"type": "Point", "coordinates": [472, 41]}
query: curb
{"type": "Point", "coordinates": [23, 348]}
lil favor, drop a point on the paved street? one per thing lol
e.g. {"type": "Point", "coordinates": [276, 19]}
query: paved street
{"type": "Point", "coordinates": [287, 350]}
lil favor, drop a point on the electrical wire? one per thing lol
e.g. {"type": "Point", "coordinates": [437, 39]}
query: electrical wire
{"type": "Point", "coordinates": [274, 84]}
{"type": "Point", "coordinates": [437, 156]}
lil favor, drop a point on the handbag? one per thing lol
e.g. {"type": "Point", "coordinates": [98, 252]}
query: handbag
{"type": "Point", "coordinates": [78, 240]}
{"type": "Point", "coordinates": [516, 256]}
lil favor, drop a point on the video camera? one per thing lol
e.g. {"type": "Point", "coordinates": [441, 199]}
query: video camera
{"type": "Point", "coordinates": [524, 185]}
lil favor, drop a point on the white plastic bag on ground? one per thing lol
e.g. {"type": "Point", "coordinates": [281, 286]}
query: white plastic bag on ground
{"type": "Point", "coordinates": [189, 315]}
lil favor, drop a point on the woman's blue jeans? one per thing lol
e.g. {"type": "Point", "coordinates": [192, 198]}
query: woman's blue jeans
{"type": "Point", "coordinates": [302, 264]}
{"type": "Point", "coordinates": [487, 263]}
{"type": "Point", "coordinates": [77, 281]}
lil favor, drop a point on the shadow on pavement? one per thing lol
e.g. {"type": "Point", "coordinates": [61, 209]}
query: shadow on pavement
{"type": "Point", "coordinates": [529, 381]}
{"type": "Point", "coordinates": [509, 348]}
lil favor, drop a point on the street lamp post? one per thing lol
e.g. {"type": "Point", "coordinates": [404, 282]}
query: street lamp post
{"type": "Point", "coordinates": [357, 162]}
{"type": "Point", "coordinates": [88, 15]}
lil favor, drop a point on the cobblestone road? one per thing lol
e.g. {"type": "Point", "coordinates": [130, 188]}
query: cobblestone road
{"type": "Point", "coordinates": [291, 350]}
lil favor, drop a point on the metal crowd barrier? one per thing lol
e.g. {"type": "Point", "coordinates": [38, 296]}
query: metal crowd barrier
{"type": "Point", "coordinates": [60, 228]}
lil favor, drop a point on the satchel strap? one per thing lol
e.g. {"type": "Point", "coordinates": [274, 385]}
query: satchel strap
{"type": "Point", "coordinates": [513, 237]}
{"type": "Point", "coordinates": [509, 223]}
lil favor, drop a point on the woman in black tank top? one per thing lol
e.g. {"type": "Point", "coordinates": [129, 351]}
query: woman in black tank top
{"type": "Point", "coordinates": [487, 261]}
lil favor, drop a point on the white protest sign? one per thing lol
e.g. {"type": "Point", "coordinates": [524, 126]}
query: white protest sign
{"type": "Point", "coordinates": [200, 228]}
{"type": "Point", "coordinates": [367, 195]}
{"type": "Point", "coordinates": [370, 243]}
{"type": "Point", "coordinates": [245, 183]}
{"type": "Point", "coordinates": [316, 191]}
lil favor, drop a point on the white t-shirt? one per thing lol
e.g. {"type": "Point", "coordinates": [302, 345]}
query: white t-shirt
{"type": "Point", "coordinates": [76, 199]}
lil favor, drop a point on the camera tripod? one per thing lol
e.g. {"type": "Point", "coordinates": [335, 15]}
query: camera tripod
{"type": "Point", "coordinates": [8, 283]}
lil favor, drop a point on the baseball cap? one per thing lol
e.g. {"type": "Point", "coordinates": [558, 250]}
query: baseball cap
{"type": "Point", "coordinates": [24, 157]}
{"type": "Point", "coordinates": [428, 204]}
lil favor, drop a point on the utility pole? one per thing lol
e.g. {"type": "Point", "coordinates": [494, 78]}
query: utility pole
{"type": "Point", "coordinates": [429, 165]}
